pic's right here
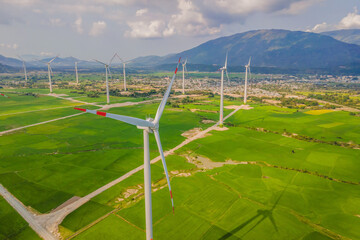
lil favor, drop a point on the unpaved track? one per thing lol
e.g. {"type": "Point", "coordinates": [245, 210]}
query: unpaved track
{"type": "Point", "coordinates": [21, 209]}
{"type": "Point", "coordinates": [47, 224]}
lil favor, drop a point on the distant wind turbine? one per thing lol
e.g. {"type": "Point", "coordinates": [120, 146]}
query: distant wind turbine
{"type": "Point", "coordinates": [183, 76]}
{"type": "Point", "coordinates": [24, 66]}
{"type": "Point", "coordinates": [223, 69]}
{"type": "Point", "coordinates": [124, 71]}
{"type": "Point", "coordinates": [107, 71]}
{"type": "Point", "coordinates": [76, 73]}
{"type": "Point", "coordinates": [50, 72]}
{"type": "Point", "coordinates": [247, 69]}
{"type": "Point", "coordinates": [148, 126]}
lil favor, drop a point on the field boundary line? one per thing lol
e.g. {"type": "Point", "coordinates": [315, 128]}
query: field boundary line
{"type": "Point", "coordinates": [127, 221]}
{"type": "Point", "coordinates": [36, 124]}
{"type": "Point", "coordinates": [91, 224]}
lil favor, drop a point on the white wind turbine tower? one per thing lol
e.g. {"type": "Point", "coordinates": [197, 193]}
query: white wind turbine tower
{"type": "Point", "coordinates": [223, 69]}
{"type": "Point", "coordinates": [183, 76]}
{"type": "Point", "coordinates": [76, 73]}
{"type": "Point", "coordinates": [148, 126]}
{"type": "Point", "coordinates": [24, 66]}
{"type": "Point", "coordinates": [247, 69]}
{"type": "Point", "coordinates": [124, 70]}
{"type": "Point", "coordinates": [50, 72]}
{"type": "Point", "coordinates": [107, 70]}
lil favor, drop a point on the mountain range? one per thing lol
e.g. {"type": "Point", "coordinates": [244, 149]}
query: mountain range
{"type": "Point", "coordinates": [345, 35]}
{"type": "Point", "coordinates": [274, 48]}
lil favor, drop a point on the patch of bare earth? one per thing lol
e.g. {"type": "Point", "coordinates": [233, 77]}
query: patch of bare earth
{"type": "Point", "coordinates": [191, 133]}
{"type": "Point", "coordinates": [206, 163]}
{"type": "Point", "coordinates": [206, 121]}
{"type": "Point", "coordinates": [220, 128]}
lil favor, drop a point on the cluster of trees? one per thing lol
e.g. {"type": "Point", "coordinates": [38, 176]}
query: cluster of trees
{"type": "Point", "coordinates": [297, 103]}
{"type": "Point", "coordinates": [336, 98]}
{"type": "Point", "coordinates": [93, 94]}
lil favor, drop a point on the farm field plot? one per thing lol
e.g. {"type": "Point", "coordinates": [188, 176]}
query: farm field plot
{"type": "Point", "coordinates": [11, 121]}
{"type": "Point", "coordinates": [18, 103]}
{"type": "Point", "coordinates": [12, 225]}
{"type": "Point", "coordinates": [53, 162]}
{"type": "Point", "coordinates": [328, 126]}
{"type": "Point", "coordinates": [310, 203]}
{"type": "Point", "coordinates": [245, 201]}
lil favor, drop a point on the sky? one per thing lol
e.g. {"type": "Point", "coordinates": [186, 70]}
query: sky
{"type": "Point", "coordinates": [88, 29]}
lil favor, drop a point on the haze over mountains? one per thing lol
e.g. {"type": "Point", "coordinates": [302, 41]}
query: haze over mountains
{"type": "Point", "coordinates": [268, 48]}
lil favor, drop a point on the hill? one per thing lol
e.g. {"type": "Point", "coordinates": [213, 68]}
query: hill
{"type": "Point", "coordinates": [345, 35]}
{"type": "Point", "coordinates": [271, 48]}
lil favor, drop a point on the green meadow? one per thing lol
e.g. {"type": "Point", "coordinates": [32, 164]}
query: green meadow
{"type": "Point", "coordinates": [284, 189]}
{"type": "Point", "coordinates": [290, 189]}
{"type": "Point", "coordinates": [12, 225]}
{"type": "Point", "coordinates": [330, 126]}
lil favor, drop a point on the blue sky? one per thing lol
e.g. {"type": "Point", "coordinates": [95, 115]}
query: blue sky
{"type": "Point", "coordinates": [98, 28]}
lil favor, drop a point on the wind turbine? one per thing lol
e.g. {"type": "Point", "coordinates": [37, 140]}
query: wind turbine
{"type": "Point", "coordinates": [223, 69]}
{"type": "Point", "coordinates": [50, 72]}
{"type": "Point", "coordinates": [124, 71]}
{"type": "Point", "coordinates": [148, 126]}
{"type": "Point", "coordinates": [183, 75]}
{"type": "Point", "coordinates": [24, 66]}
{"type": "Point", "coordinates": [247, 69]}
{"type": "Point", "coordinates": [76, 73]}
{"type": "Point", "coordinates": [107, 70]}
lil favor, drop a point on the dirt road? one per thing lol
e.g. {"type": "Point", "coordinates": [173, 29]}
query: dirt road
{"type": "Point", "coordinates": [21, 209]}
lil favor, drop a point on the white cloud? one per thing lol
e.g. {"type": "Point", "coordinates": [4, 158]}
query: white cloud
{"type": "Point", "coordinates": [352, 20]}
{"type": "Point", "coordinates": [321, 27]}
{"type": "Point", "coordinates": [13, 46]}
{"type": "Point", "coordinates": [20, 3]}
{"type": "Point", "coordinates": [97, 28]}
{"type": "Point", "coordinates": [143, 29]}
{"type": "Point", "coordinates": [78, 25]}
{"type": "Point", "coordinates": [141, 12]}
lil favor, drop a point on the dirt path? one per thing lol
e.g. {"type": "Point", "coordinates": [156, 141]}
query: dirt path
{"type": "Point", "coordinates": [21, 209]}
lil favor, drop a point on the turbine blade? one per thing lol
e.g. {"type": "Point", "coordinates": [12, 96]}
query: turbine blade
{"type": "Point", "coordinates": [4, 95]}
{"type": "Point", "coordinates": [112, 59]}
{"type": "Point", "coordinates": [185, 61]}
{"type": "Point", "coordinates": [166, 96]}
{"type": "Point", "coordinates": [227, 76]}
{"type": "Point", "coordinates": [249, 61]}
{"type": "Point", "coordinates": [130, 120]}
{"type": "Point", "coordinates": [53, 59]}
{"type": "Point", "coordinates": [226, 59]}
{"type": "Point", "coordinates": [249, 72]}
{"type": "Point", "coordinates": [51, 71]}
{"type": "Point", "coordinates": [100, 62]}
{"type": "Point", "coordinates": [157, 137]}
{"type": "Point", "coordinates": [273, 221]}
{"type": "Point", "coordinates": [108, 69]}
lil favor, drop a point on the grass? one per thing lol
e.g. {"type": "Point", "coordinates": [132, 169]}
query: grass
{"type": "Point", "coordinates": [78, 155]}
{"type": "Point", "coordinates": [236, 202]}
{"type": "Point", "coordinates": [12, 225]}
{"type": "Point", "coordinates": [332, 126]}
